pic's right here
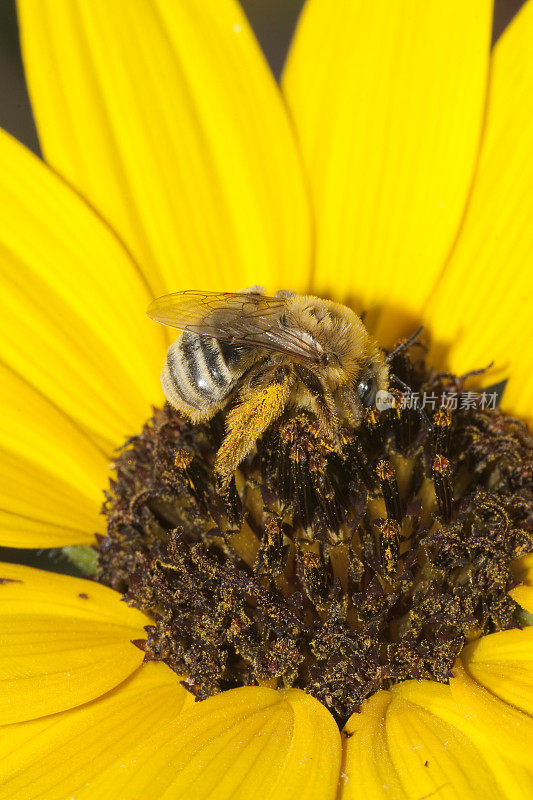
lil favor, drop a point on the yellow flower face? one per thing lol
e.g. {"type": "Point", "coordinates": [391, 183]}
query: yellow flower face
{"type": "Point", "coordinates": [392, 172]}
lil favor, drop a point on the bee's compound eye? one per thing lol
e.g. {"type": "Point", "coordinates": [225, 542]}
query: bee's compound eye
{"type": "Point", "coordinates": [366, 390]}
{"type": "Point", "coordinates": [324, 359]}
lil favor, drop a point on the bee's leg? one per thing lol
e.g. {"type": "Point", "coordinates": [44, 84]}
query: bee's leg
{"type": "Point", "coordinates": [324, 403]}
{"type": "Point", "coordinates": [352, 404]}
{"type": "Point", "coordinates": [257, 409]}
{"type": "Point", "coordinates": [329, 418]}
{"type": "Point", "coordinates": [326, 413]}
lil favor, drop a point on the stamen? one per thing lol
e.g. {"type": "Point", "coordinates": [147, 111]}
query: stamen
{"type": "Point", "coordinates": [442, 422]}
{"type": "Point", "coordinates": [402, 419]}
{"type": "Point", "coordinates": [314, 578]}
{"type": "Point", "coordinates": [372, 427]}
{"type": "Point", "coordinates": [357, 455]}
{"type": "Point", "coordinates": [389, 487]}
{"type": "Point", "coordinates": [272, 554]}
{"type": "Point", "coordinates": [443, 486]}
{"type": "Point", "coordinates": [389, 545]}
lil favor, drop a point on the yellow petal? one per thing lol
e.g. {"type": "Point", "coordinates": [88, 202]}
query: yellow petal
{"type": "Point", "coordinates": [60, 755]}
{"type": "Point", "coordinates": [398, 749]}
{"type": "Point", "coordinates": [503, 664]}
{"type": "Point", "coordinates": [523, 571]}
{"type": "Point", "coordinates": [72, 304]}
{"type": "Point", "coordinates": [63, 641]}
{"type": "Point", "coordinates": [250, 742]}
{"type": "Point", "coordinates": [514, 782]}
{"type": "Point", "coordinates": [482, 308]}
{"type": "Point", "coordinates": [165, 116]}
{"type": "Point", "coordinates": [388, 104]}
{"type": "Point", "coordinates": [509, 730]}
{"type": "Point", "coordinates": [52, 475]}
{"type": "Point", "coordinates": [367, 769]}
{"type": "Point", "coordinates": [523, 595]}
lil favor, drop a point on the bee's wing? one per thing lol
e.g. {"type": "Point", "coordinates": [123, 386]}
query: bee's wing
{"type": "Point", "coordinates": [239, 318]}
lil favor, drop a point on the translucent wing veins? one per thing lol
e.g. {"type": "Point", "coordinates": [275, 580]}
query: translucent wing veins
{"type": "Point", "coordinates": [253, 320]}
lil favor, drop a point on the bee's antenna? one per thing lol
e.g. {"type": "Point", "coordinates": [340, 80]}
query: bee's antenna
{"type": "Point", "coordinates": [398, 381]}
{"type": "Point", "coordinates": [474, 372]}
{"type": "Point", "coordinates": [405, 344]}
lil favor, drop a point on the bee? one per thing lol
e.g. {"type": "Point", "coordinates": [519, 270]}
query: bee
{"type": "Point", "coordinates": [260, 355]}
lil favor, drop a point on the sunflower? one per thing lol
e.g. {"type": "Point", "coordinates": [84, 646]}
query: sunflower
{"type": "Point", "coordinates": [393, 173]}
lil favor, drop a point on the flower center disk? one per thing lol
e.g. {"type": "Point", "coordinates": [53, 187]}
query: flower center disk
{"type": "Point", "coordinates": [335, 569]}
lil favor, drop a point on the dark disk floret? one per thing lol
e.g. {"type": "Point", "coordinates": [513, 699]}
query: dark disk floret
{"type": "Point", "coordinates": [337, 569]}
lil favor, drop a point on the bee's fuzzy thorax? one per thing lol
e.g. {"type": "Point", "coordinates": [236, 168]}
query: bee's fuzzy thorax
{"type": "Point", "coordinates": [339, 331]}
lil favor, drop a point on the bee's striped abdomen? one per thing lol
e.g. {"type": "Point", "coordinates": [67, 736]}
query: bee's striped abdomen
{"type": "Point", "coordinates": [196, 378]}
